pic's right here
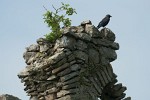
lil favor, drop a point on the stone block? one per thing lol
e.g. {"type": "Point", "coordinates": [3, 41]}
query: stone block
{"type": "Point", "coordinates": [92, 31]}
{"type": "Point", "coordinates": [86, 22]}
{"type": "Point", "coordinates": [69, 76]}
{"type": "Point", "coordinates": [81, 45]}
{"type": "Point", "coordinates": [94, 55]}
{"type": "Point", "coordinates": [33, 48]}
{"type": "Point", "coordinates": [56, 70]}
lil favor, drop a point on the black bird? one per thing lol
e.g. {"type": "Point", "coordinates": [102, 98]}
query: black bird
{"type": "Point", "coordinates": [104, 21]}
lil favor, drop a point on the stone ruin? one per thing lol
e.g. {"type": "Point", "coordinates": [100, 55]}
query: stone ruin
{"type": "Point", "coordinates": [74, 67]}
{"type": "Point", "coordinates": [8, 97]}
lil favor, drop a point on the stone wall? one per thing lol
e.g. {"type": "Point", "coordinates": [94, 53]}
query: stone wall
{"type": "Point", "coordinates": [8, 97]}
{"type": "Point", "coordinates": [75, 67]}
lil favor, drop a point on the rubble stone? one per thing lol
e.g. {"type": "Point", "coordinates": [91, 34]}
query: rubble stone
{"type": "Point", "coordinates": [8, 97]}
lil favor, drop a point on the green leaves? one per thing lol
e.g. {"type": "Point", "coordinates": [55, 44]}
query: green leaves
{"type": "Point", "coordinates": [67, 22]}
{"type": "Point", "coordinates": [56, 19]}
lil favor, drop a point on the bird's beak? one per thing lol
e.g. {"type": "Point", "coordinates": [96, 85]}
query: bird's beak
{"type": "Point", "coordinates": [110, 16]}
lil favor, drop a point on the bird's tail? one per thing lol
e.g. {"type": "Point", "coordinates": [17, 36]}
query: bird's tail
{"type": "Point", "coordinates": [99, 25]}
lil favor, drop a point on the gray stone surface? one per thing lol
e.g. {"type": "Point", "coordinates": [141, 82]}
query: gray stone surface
{"type": "Point", "coordinates": [83, 36]}
{"type": "Point", "coordinates": [81, 45]}
{"type": "Point", "coordinates": [34, 98]}
{"type": "Point", "coordinates": [66, 42]}
{"type": "Point", "coordinates": [92, 31]}
{"type": "Point", "coordinates": [86, 22]}
{"type": "Point", "coordinates": [43, 48]}
{"type": "Point", "coordinates": [108, 53]}
{"type": "Point", "coordinates": [33, 48]}
{"type": "Point", "coordinates": [94, 55]}
{"type": "Point", "coordinates": [107, 34]}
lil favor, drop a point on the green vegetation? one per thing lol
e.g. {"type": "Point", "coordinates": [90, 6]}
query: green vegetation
{"type": "Point", "coordinates": [56, 19]}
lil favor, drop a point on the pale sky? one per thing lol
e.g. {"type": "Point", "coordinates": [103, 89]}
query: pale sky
{"type": "Point", "coordinates": [21, 24]}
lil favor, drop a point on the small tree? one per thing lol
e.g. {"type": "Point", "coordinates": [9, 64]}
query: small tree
{"type": "Point", "coordinates": [56, 18]}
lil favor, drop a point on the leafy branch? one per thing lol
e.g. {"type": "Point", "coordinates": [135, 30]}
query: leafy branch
{"type": "Point", "coordinates": [55, 19]}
